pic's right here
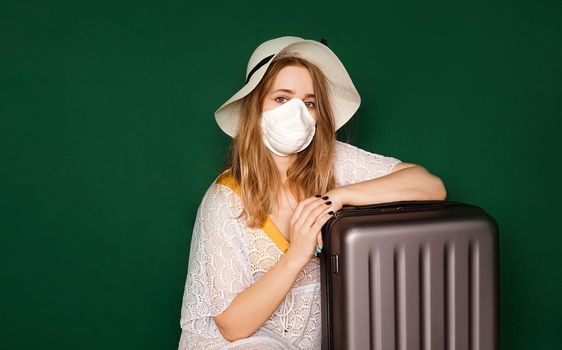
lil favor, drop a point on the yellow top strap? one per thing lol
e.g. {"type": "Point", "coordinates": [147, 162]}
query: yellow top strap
{"type": "Point", "coordinates": [268, 227]}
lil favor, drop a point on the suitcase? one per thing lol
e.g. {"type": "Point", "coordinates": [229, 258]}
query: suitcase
{"type": "Point", "coordinates": [410, 275]}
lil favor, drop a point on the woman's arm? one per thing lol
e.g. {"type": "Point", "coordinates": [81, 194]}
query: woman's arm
{"type": "Point", "coordinates": [251, 308]}
{"type": "Point", "coordinates": [407, 181]}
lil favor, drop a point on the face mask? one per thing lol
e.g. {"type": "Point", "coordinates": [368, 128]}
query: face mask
{"type": "Point", "coordinates": [288, 128]}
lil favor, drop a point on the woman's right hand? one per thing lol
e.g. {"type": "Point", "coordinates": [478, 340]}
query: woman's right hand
{"type": "Point", "coordinates": [304, 233]}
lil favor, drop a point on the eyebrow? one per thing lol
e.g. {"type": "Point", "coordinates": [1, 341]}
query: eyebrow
{"type": "Point", "coordinates": [292, 92]}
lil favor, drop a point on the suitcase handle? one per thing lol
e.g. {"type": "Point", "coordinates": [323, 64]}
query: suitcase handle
{"type": "Point", "coordinates": [403, 205]}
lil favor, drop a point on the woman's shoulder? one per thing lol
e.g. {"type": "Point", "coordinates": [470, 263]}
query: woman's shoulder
{"type": "Point", "coordinates": [353, 164]}
{"type": "Point", "coordinates": [224, 183]}
{"type": "Point", "coordinates": [345, 151]}
{"type": "Point", "coordinates": [345, 147]}
{"type": "Point", "coordinates": [222, 192]}
{"type": "Point", "coordinates": [227, 180]}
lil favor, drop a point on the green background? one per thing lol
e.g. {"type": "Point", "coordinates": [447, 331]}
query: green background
{"type": "Point", "coordinates": [108, 143]}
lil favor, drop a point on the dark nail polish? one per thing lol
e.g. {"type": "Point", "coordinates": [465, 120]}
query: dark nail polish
{"type": "Point", "coordinates": [331, 212]}
{"type": "Point", "coordinates": [325, 197]}
{"type": "Point", "coordinates": [318, 196]}
{"type": "Point", "coordinates": [328, 202]}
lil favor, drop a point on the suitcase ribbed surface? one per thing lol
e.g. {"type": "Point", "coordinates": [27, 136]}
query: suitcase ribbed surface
{"type": "Point", "coordinates": [411, 279]}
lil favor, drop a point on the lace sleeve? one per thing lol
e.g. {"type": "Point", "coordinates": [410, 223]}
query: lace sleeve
{"type": "Point", "coordinates": [218, 268]}
{"type": "Point", "coordinates": [352, 164]}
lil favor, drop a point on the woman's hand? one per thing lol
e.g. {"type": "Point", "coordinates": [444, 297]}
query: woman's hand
{"type": "Point", "coordinates": [336, 200]}
{"type": "Point", "coordinates": [307, 220]}
{"type": "Point", "coordinates": [337, 197]}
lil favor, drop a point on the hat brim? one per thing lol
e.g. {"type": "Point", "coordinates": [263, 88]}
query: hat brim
{"type": "Point", "coordinates": [342, 94]}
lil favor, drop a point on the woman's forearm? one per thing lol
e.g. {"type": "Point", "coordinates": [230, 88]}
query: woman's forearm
{"type": "Point", "coordinates": [413, 183]}
{"type": "Point", "coordinates": [249, 310]}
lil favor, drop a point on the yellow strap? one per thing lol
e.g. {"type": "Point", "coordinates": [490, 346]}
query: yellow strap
{"type": "Point", "coordinates": [268, 227]}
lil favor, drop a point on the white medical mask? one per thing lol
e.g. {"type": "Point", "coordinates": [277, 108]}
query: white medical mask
{"type": "Point", "coordinates": [288, 128]}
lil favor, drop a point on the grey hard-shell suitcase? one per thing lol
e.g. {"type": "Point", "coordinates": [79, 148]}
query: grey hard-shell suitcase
{"type": "Point", "coordinates": [410, 275]}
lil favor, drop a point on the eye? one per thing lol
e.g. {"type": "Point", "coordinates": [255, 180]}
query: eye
{"type": "Point", "coordinates": [309, 105]}
{"type": "Point", "coordinates": [280, 99]}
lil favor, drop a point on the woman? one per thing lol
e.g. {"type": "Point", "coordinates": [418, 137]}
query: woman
{"type": "Point", "coordinates": [253, 278]}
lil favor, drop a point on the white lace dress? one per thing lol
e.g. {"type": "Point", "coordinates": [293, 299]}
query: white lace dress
{"type": "Point", "coordinates": [227, 256]}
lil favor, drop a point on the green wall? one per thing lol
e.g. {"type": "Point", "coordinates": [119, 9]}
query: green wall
{"type": "Point", "coordinates": [108, 143]}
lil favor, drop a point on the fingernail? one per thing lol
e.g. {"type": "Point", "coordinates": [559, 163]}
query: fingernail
{"type": "Point", "coordinates": [325, 197]}
{"type": "Point", "coordinates": [331, 212]}
{"type": "Point", "coordinates": [328, 202]}
{"type": "Point", "coordinates": [318, 196]}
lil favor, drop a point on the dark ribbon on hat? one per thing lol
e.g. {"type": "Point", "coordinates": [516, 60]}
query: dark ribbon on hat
{"type": "Point", "coordinates": [268, 58]}
{"type": "Point", "coordinates": [258, 66]}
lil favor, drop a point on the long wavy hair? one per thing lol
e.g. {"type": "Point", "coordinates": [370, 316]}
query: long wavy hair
{"type": "Point", "coordinates": [251, 163]}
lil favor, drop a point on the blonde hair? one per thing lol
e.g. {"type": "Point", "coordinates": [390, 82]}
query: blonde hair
{"type": "Point", "coordinates": [251, 163]}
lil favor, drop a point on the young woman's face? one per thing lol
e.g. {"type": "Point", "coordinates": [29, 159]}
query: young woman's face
{"type": "Point", "coordinates": [291, 82]}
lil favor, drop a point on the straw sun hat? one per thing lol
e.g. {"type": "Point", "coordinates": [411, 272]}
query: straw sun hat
{"type": "Point", "coordinates": [344, 98]}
